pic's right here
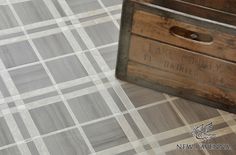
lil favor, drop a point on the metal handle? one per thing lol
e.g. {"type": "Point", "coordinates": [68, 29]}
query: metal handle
{"type": "Point", "coordinates": [191, 35]}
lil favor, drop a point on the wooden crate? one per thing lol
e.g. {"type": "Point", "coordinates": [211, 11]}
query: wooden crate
{"type": "Point", "coordinates": [186, 48]}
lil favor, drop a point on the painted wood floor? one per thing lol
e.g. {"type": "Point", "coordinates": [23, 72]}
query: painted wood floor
{"type": "Point", "coordinates": [59, 96]}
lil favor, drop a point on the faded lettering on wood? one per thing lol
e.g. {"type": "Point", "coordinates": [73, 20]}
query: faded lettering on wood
{"type": "Point", "coordinates": [180, 68]}
{"type": "Point", "coordinates": [186, 48]}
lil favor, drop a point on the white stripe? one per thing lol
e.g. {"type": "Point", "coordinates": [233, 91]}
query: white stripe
{"type": "Point", "coordinates": [67, 34]}
{"type": "Point", "coordinates": [183, 119]}
{"type": "Point", "coordinates": [108, 12]}
{"type": "Point", "coordinates": [25, 114]}
{"type": "Point", "coordinates": [54, 21]}
{"type": "Point", "coordinates": [230, 124]}
{"type": "Point", "coordinates": [15, 131]}
{"type": "Point", "coordinates": [104, 93]}
{"type": "Point", "coordinates": [135, 115]}
{"type": "Point", "coordinates": [49, 89]}
{"type": "Point", "coordinates": [161, 136]}
{"type": "Point", "coordinates": [4, 2]}
{"type": "Point", "coordinates": [55, 30]}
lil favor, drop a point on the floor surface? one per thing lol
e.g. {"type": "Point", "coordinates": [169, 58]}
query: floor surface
{"type": "Point", "coordinates": [59, 96]}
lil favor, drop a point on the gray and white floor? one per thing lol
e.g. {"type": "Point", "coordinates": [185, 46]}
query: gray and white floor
{"type": "Point", "coordinates": [59, 96]}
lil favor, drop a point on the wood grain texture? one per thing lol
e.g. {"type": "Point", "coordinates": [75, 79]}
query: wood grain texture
{"type": "Point", "coordinates": [177, 53]}
{"type": "Point", "coordinates": [32, 11]}
{"type": "Point", "coordinates": [205, 76]}
{"type": "Point", "coordinates": [217, 10]}
{"type": "Point", "coordinates": [51, 118]}
{"type": "Point", "coordinates": [223, 5]}
{"type": "Point", "coordinates": [5, 134]}
{"type": "Point", "coordinates": [107, 134]}
{"type": "Point", "coordinates": [89, 107]}
{"type": "Point", "coordinates": [52, 46]}
{"type": "Point", "coordinates": [69, 142]}
{"type": "Point", "coordinates": [30, 78]}
{"type": "Point", "coordinates": [11, 56]}
{"type": "Point", "coordinates": [7, 18]}
{"type": "Point", "coordinates": [157, 120]}
{"type": "Point", "coordinates": [157, 27]}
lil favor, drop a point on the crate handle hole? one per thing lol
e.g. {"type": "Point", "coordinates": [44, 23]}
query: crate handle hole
{"type": "Point", "coordinates": [191, 35]}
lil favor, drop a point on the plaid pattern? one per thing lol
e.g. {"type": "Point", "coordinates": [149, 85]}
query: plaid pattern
{"type": "Point", "coordinates": [59, 96]}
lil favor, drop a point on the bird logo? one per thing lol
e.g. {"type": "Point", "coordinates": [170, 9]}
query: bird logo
{"type": "Point", "coordinates": [202, 132]}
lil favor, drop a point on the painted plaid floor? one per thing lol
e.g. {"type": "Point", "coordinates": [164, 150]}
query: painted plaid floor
{"type": "Point", "coordinates": [59, 96]}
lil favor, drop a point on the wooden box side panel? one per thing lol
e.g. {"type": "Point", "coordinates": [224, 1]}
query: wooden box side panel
{"type": "Point", "coordinates": [124, 65]}
{"type": "Point", "coordinates": [180, 69]}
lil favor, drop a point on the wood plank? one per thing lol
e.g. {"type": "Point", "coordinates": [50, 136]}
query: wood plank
{"type": "Point", "coordinates": [223, 5]}
{"type": "Point", "coordinates": [157, 27]}
{"type": "Point", "coordinates": [223, 11]}
{"type": "Point", "coordinates": [182, 70]}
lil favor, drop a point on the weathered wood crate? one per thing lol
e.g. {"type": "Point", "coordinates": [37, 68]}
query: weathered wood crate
{"type": "Point", "coordinates": [186, 48]}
